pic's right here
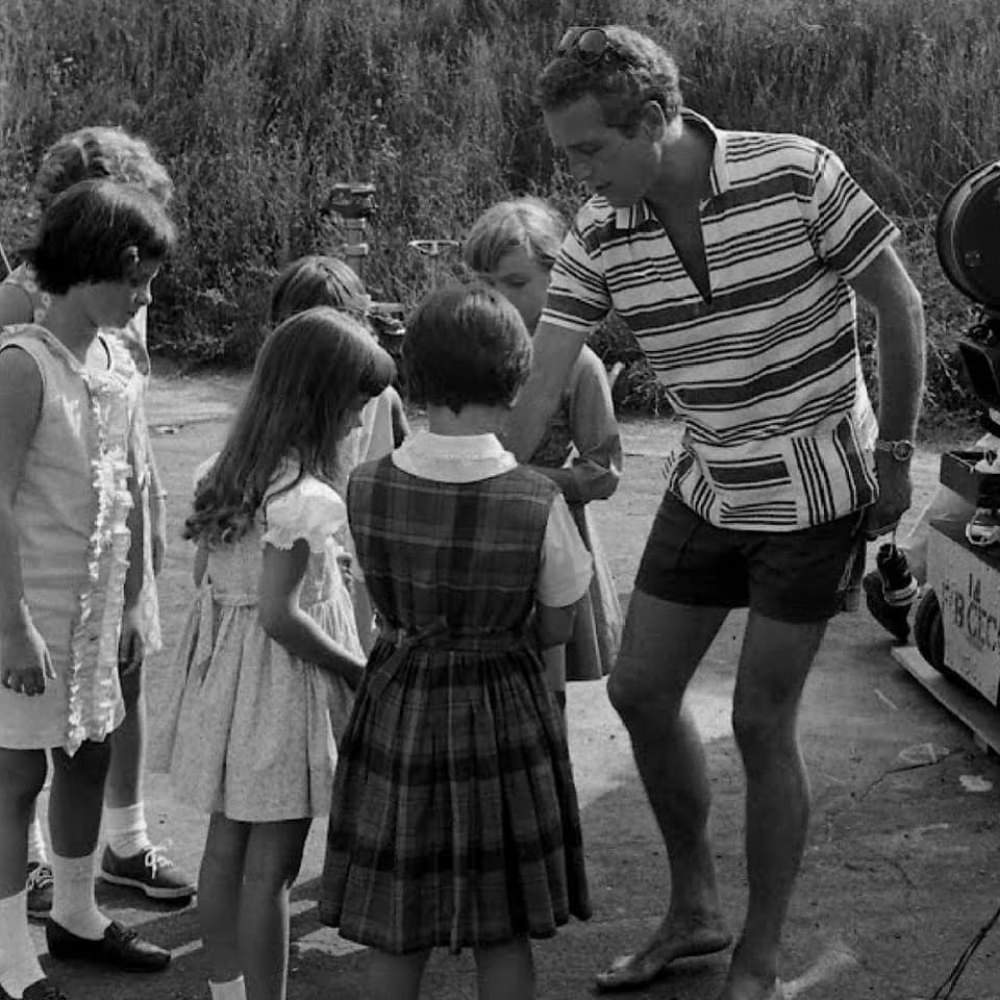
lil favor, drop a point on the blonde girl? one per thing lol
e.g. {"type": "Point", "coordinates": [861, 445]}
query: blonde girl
{"type": "Point", "coordinates": [512, 246]}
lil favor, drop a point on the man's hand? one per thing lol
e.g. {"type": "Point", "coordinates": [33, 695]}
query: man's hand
{"type": "Point", "coordinates": [132, 644]}
{"type": "Point", "coordinates": [895, 491]}
{"type": "Point", "coordinates": [26, 661]}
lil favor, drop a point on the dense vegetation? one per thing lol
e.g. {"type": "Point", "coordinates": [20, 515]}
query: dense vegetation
{"type": "Point", "coordinates": [258, 107]}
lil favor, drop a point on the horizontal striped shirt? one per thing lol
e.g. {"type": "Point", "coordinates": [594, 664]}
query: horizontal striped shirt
{"type": "Point", "coordinates": [766, 372]}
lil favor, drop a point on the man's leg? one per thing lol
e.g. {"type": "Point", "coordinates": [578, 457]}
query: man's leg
{"type": "Point", "coordinates": [774, 663]}
{"type": "Point", "coordinates": [130, 858]}
{"type": "Point", "coordinates": [662, 646]}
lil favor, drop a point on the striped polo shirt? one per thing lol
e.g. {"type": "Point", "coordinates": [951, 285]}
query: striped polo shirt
{"type": "Point", "coordinates": [766, 373]}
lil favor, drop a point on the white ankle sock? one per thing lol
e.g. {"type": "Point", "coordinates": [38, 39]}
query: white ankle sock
{"type": "Point", "coordinates": [73, 904]}
{"type": "Point", "coordinates": [19, 966]}
{"type": "Point", "coordinates": [36, 843]}
{"type": "Point", "coordinates": [231, 990]}
{"type": "Point", "coordinates": [125, 829]}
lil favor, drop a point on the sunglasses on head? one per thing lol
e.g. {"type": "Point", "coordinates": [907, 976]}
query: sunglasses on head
{"type": "Point", "coordinates": [589, 45]}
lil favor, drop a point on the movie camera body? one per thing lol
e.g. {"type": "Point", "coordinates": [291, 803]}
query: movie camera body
{"type": "Point", "coordinates": [957, 621]}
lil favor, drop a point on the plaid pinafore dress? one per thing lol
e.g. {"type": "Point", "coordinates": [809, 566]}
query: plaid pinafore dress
{"type": "Point", "coordinates": [454, 820]}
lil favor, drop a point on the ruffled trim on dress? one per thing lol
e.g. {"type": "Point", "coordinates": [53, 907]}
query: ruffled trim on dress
{"type": "Point", "coordinates": [93, 689]}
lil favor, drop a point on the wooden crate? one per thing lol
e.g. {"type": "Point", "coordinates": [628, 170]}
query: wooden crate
{"type": "Point", "coordinates": [966, 580]}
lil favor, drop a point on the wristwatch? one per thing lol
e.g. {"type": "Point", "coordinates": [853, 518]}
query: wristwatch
{"type": "Point", "coordinates": [901, 451]}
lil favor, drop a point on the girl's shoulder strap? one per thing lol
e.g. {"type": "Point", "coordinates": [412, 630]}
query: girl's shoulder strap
{"type": "Point", "coordinates": [34, 339]}
{"type": "Point", "coordinates": [528, 482]}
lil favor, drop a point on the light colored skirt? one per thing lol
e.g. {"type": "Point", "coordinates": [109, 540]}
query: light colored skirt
{"type": "Point", "coordinates": [249, 730]}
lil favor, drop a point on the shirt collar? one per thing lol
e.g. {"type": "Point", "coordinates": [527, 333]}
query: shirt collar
{"type": "Point", "coordinates": [632, 216]}
{"type": "Point", "coordinates": [464, 458]}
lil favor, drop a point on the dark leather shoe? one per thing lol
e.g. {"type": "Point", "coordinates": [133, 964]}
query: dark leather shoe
{"type": "Point", "coordinates": [121, 947]}
{"type": "Point", "coordinates": [42, 989]}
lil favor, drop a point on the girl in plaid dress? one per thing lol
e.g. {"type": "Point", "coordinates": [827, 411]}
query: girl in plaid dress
{"type": "Point", "coordinates": [512, 246]}
{"type": "Point", "coordinates": [455, 820]}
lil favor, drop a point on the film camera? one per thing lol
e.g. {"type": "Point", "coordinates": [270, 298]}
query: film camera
{"type": "Point", "coordinates": [957, 621]}
{"type": "Point", "coordinates": [968, 244]}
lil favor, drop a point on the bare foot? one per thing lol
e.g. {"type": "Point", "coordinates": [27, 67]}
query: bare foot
{"type": "Point", "coordinates": [677, 937]}
{"type": "Point", "coordinates": [744, 986]}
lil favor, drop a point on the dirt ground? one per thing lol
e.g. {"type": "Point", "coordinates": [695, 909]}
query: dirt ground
{"type": "Point", "coordinates": [902, 867]}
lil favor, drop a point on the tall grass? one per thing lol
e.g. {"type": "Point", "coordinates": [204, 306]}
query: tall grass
{"type": "Point", "coordinates": [258, 107]}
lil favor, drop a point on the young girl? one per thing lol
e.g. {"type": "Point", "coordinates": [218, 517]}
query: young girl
{"type": "Point", "coordinates": [326, 281]}
{"type": "Point", "coordinates": [130, 858]}
{"type": "Point", "coordinates": [455, 818]}
{"type": "Point", "coordinates": [512, 247]}
{"type": "Point", "coordinates": [270, 654]}
{"type": "Point", "coordinates": [70, 563]}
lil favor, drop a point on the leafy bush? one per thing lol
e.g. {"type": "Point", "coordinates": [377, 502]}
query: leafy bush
{"type": "Point", "coordinates": [258, 108]}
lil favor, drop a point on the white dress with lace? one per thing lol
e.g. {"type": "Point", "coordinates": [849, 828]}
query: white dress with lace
{"type": "Point", "coordinates": [133, 338]}
{"type": "Point", "coordinates": [71, 512]}
{"type": "Point", "coordinates": [250, 730]}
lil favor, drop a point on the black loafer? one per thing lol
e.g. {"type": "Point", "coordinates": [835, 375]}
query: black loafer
{"type": "Point", "coordinates": [121, 947]}
{"type": "Point", "coordinates": [42, 989]}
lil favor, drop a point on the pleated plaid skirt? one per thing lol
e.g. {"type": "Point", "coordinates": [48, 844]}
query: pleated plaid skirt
{"type": "Point", "coordinates": [454, 820]}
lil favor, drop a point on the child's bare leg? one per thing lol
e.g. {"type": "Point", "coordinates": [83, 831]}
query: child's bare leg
{"type": "Point", "coordinates": [74, 823]}
{"type": "Point", "coordinates": [22, 774]}
{"type": "Point", "coordinates": [76, 797]}
{"type": "Point", "coordinates": [272, 861]}
{"type": "Point", "coordinates": [219, 883]}
{"type": "Point", "coordinates": [77, 929]}
{"type": "Point", "coordinates": [506, 971]}
{"type": "Point", "coordinates": [395, 977]}
{"type": "Point", "coordinates": [124, 783]}
{"type": "Point", "coordinates": [130, 858]}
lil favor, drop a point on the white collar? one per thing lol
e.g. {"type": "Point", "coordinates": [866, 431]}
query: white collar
{"type": "Point", "coordinates": [453, 459]}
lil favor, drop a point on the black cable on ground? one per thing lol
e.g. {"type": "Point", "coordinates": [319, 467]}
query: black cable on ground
{"type": "Point", "coordinates": [945, 990]}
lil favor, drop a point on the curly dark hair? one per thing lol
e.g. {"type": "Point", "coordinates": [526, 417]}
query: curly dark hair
{"type": "Point", "coordinates": [466, 344]}
{"type": "Point", "coordinates": [634, 71]}
{"type": "Point", "coordinates": [100, 151]}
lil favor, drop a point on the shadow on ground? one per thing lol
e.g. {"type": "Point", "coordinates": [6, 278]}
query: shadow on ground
{"type": "Point", "coordinates": [900, 872]}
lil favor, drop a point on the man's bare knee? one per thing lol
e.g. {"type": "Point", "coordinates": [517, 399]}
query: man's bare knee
{"type": "Point", "coordinates": [636, 692]}
{"type": "Point", "coordinates": [764, 735]}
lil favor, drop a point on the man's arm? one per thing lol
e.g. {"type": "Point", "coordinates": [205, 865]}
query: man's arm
{"type": "Point", "coordinates": [888, 288]}
{"type": "Point", "coordinates": [554, 352]}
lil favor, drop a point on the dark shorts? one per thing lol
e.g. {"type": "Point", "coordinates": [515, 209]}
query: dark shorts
{"type": "Point", "coordinates": [794, 576]}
